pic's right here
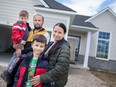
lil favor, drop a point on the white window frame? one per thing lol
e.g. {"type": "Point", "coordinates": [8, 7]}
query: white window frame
{"type": "Point", "coordinates": [108, 48]}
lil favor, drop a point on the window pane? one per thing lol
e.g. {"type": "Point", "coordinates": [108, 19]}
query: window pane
{"type": "Point", "coordinates": [100, 35]}
{"type": "Point", "coordinates": [104, 35]}
{"type": "Point", "coordinates": [102, 49]}
{"type": "Point", "coordinates": [108, 36]}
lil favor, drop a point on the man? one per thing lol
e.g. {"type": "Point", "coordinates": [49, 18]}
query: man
{"type": "Point", "coordinates": [38, 21]}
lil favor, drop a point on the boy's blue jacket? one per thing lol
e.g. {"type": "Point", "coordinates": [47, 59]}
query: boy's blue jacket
{"type": "Point", "coordinates": [22, 73]}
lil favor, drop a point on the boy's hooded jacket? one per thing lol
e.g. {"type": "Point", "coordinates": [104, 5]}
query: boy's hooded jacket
{"type": "Point", "coordinates": [22, 73]}
{"type": "Point", "coordinates": [20, 31]}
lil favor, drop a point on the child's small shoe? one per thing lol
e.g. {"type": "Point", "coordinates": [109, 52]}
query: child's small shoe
{"type": "Point", "coordinates": [6, 76]}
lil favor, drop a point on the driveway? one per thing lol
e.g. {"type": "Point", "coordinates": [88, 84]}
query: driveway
{"type": "Point", "coordinates": [84, 78]}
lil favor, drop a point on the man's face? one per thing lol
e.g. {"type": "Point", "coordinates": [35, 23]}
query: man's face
{"type": "Point", "coordinates": [38, 22]}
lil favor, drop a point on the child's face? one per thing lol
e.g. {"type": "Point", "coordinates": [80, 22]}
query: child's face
{"type": "Point", "coordinates": [23, 19]}
{"type": "Point", "coordinates": [38, 47]}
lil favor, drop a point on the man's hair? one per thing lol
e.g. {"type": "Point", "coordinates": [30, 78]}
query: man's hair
{"type": "Point", "coordinates": [38, 15]}
{"type": "Point", "coordinates": [40, 38]}
{"type": "Point", "coordinates": [24, 13]}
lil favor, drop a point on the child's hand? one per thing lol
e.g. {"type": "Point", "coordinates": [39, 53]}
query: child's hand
{"type": "Point", "coordinates": [23, 42]}
{"type": "Point", "coordinates": [35, 80]}
{"type": "Point", "coordinates": [18, 52]}
{"type": "Point", "coordinates": [16, 46]}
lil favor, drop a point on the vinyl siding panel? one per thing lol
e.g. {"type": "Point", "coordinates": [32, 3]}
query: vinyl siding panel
{"type": "Point", "coordinates": [50, 22]}
{"type": "Point", "coordinates": [9, 9]}
{"type": "Point", "coordinates": [107, 22]}
{"type": "Point", "coordinates": [83, 44]}
{"type": "Point", "coordinates": [93, 44]}
{"type": "Point", "coordinates": [50, 19]}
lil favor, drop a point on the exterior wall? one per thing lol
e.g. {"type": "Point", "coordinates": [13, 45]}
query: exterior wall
{"type": "Point", "coordinates": [98, 64]}
{"type": "Point", "coordinates": [106, 22]}
{"type": "Point", "coordinates": [9, 10]}
{"type": "Point", "coordinates": [83, 44]}
{"type": "Point", "coordinates": [109, 26]}
{"type": "Point", "coordinates": [93, 45]}
{"type": "Point", "coordinates": [51, 19]}
{"type": "Point", "coordinates": [102, 65]}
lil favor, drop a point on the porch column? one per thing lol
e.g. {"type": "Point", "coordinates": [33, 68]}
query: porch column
{"type": "Point", "coordinates": [87, 49]}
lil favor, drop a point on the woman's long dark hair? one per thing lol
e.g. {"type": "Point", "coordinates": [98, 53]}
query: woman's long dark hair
{"type": "Point", "coordinates": [58, 43]}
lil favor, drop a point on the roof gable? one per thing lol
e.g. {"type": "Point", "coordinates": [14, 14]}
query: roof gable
{"type": "Point", "coordinates": [106, 9]}
{"type": "Point", "coordinates": [54, 5]}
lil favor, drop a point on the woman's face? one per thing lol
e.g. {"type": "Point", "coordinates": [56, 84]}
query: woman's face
{"type": "Point", "coordinates": [58, 33]}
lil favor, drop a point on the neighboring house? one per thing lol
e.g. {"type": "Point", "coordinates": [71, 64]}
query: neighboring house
{"type": "Point", "coordinates": [92, 38]}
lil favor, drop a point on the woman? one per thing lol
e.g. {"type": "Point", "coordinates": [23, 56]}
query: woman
{"type": "Point", "coordinates": [59, 56]}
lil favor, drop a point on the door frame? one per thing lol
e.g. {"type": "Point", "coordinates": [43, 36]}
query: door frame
{"type": "Point", "coordinates": [74, 37]}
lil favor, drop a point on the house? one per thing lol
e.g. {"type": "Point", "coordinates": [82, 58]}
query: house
{"type": "Point", "coordinates": [92, 38]}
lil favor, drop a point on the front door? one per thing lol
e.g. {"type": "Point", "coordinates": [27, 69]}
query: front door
{"type": "Point", "coordinates": [72, 42]}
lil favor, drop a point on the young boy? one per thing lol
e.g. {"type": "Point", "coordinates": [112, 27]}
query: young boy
{"type": "Point", "coordinates": [35, 63]}
{"type": "Point", "coordinates": [20, 31]}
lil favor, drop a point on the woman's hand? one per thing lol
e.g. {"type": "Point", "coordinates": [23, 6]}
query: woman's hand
{"type": "Point", "coordinates": [35, 80]}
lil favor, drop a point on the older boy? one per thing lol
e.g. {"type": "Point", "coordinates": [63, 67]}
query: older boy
{"type": "Point", "coordinates": [35, 63]}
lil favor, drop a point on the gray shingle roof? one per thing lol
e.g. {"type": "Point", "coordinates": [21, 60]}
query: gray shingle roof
{"type": "Point", "coordinates": [39, 6]}
{"type": "Point", "coordinates": [79, 20]}
{"type": "Point", "coordinates": [56, 5]}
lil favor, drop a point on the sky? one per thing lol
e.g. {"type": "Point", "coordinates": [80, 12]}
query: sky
{"type": "Point", "coordinates": [89, 7]}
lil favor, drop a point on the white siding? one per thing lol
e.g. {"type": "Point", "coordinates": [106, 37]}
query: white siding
{"type": "Point", "coordinates": [93, 45]}
{"type": "Point", "coordinates": [106, 22]}
{"type": "Point", "coordinates": [51, 19]}
{"type": "Point", "coordinates": [9, 10]}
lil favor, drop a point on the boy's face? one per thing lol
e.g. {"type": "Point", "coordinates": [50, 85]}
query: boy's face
{"type": "Point", "coordinates": [38, 47]}
{"type": "Point", "coordinates": [23, 19]}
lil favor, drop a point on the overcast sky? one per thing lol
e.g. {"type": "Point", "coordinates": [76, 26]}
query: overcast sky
{"type": "Point", "coordinates": [89, 7]}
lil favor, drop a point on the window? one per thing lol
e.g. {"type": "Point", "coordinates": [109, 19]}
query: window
{"type": "Point", "coordinates": [103, 45]}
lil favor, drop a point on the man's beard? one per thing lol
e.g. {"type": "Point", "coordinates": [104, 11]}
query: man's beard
{"type": "Point", "coordinates": [37, 27]}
